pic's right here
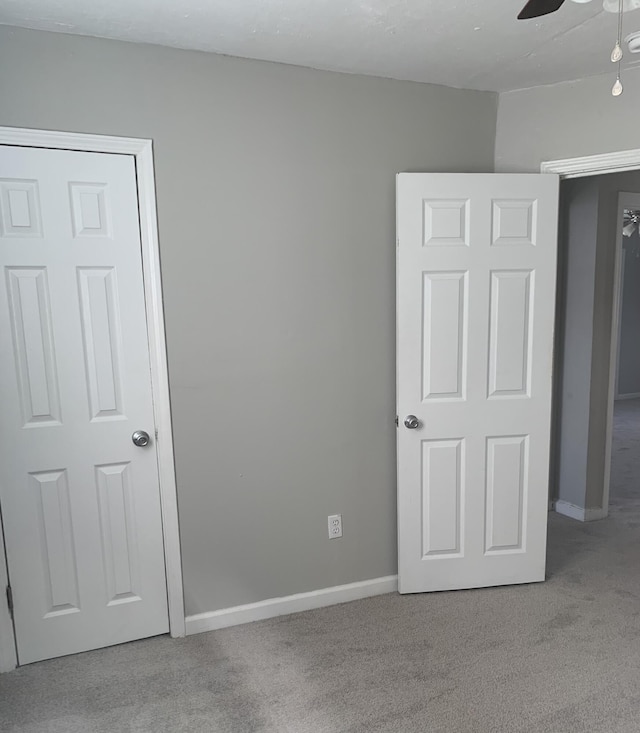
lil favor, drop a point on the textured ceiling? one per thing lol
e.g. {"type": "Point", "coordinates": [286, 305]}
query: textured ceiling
{"type": "Point", "coordinates": [475, 44]}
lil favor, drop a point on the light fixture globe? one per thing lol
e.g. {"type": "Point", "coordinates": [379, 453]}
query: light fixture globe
{"type": "Point", "coordinates": [633, 42]}
{"type": "Point", "coordinates": [612, 6]}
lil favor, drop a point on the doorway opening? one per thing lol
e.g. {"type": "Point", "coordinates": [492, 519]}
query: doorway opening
{"type": "Point", "coordinates": [592, 252]}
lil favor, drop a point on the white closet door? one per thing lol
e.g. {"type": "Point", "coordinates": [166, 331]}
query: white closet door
{"type": "Point", "coordinates": [80, 502]}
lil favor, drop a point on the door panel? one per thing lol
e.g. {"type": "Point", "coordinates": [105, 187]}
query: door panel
{"type": "Point", "coordinates": [476, 295]}
{"type": "Point", "coordinates": [101, 339]}
{"type": "Point", "coordinates": [442, 497]}
{"type": "Point", "coordinates": [509, 333]}
{"type": "Point", "coordinates": [30, 315]}
{"type": "Point", "coordinates": [80, 503]}
{"type": "Point", "coordinates": [444, 335]}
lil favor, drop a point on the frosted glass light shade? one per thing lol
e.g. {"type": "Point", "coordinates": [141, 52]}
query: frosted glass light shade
{"type": "Point", "coordinates": [611, 6]}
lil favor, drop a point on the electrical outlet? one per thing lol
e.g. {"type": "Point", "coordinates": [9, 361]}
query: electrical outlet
{"type": "Point", "coordinates": [335, 526]}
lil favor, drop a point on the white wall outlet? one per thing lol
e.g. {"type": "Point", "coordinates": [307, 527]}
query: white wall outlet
{"type": "Point", "coordinates": [335, 526]}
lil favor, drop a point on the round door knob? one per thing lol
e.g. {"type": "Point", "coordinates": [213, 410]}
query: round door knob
{"type": "Point", "coordinates": [411, 422]}
{"type": "Point", "coordinates": [140, 438]}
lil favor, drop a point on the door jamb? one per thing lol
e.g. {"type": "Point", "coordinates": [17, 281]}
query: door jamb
{"type": "Point", "coordinates": [626, 200]}
{"type": "Point", "coordinates": [594, 165]}
{"type": "Point", "coordinates": [142, 151]}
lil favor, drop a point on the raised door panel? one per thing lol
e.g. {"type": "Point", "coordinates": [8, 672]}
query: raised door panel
{"type": "Point", "coordinates": [510, 333]}
{"type": "Point", "coordinates": [118, 530]}
{"type": "Point", "coordinates": [445, 222]}
{"type": "Point", "coordinates": [506, 493]}
{"type": "Point", "coordinates": [514, 222]}
{"type": "Point", "coordinates": [56, 540]}
{"type": "Point", "coordinates": [444, 335]}
{"type": "Point", "coordinates": [101, 330]}
{"type": "Point", "coordinates": [90, 209]}
{"type": "Point", "coordinates": [33, 345]}
{"type": "Point", "coordinates": [442, 497]}
{"type": "Point", "coordinates": [20, 214]}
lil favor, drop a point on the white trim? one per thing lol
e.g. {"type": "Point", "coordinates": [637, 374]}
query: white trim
{"type": "Point", "coordinates": [72, 141]}
{"type": "Point", "coordinates": [568, 510]}
{"type": "Point", "coordinates": [8, 658]}
{"type": "Point", "coordinates": [160, 387]}
{"type": "Point", "coordinates": [628, 396]}
{"type": "Point", "coordinates": [290, 604]}
{"type": "Point", "coordinates": [596, 513]}
{"type": "Point", "coordinates": [142, 151]}
{"type": "Point", "coordinates": [591, 165]}
{"type": "Point", "coordinates": [577, 512]}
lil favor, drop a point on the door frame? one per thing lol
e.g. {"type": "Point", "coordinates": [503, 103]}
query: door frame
{"type": "Point", "coordinates": [595, 165]}
{"type": "Point", "coordinates": [142, 151]}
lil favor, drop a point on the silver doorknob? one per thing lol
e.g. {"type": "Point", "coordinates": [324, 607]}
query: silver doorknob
{"type": "Point", "coordinates": [140, 438]}
{"type": "Point", "coordinates": [411, 422]}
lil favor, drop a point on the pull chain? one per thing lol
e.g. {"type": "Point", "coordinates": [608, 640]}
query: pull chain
{"type": "Point", "coordinates": [616, 54]}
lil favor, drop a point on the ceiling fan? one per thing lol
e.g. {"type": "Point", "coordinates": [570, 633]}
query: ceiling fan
{"type": "Point", "coordinates": [536, 8]}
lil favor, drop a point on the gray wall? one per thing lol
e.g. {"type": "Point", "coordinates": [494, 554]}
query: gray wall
{"type": "Point", "coordinates": [576, 277]}
{"type": "Point", "coordinates": [566, 120]}
{"type": "Point", "coordinates": [563, 121]}
{"type": "Point", "coordinates": [629, 356]}
{"type": "Point", "coordinates": [275, 189]}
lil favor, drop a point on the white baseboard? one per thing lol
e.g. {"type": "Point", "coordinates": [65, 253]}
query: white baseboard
{"type": "Point", "coordinates": [271, 607]}
{"type": "Point", "coordinates": [577, 512]}
{"type": "Point", "coordinates": [592, 515]}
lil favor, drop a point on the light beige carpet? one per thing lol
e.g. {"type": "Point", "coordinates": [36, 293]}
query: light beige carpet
{"type": "Point", "coordinates": [557, 657]}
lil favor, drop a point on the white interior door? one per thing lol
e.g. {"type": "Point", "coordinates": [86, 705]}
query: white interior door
{"type": "Point", "coordinates": [476, 279]}
{"type": "Point", "coordinates": [80, 502]}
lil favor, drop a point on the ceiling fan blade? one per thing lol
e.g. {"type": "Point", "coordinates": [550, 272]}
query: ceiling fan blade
{"type": "Point", "coordinates": [536, 8]}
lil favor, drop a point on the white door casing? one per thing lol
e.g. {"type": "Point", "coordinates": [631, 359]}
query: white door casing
{"type": "Point", "coordinates": [476, 280]}
{"type": "Point", "coordinates": [81, 505]}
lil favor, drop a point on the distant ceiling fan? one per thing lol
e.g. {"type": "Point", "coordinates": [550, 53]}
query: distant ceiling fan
{"type": "Point", "coordinates": [630, 222]}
